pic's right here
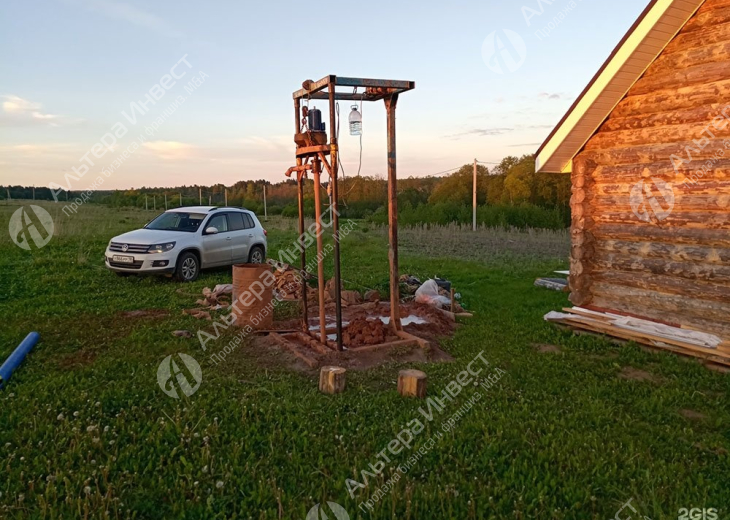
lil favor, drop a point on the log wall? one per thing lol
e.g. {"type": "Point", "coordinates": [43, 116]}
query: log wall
{"type": "Point", "coordinates": [676, 266]}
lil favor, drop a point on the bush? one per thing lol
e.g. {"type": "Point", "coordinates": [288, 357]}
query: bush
{"type": "Point", "coordinates": [521, 216]}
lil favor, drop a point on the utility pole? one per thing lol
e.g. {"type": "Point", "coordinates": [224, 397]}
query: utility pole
{"type": "Point", "coordinates": [226, 192]}
{"type": "Point", "coordinates": [266, 216]}
{"type": "Point", "coordinates": [165, 201]}
{"type": "Point", "coordinates": [200, 197]}
{"type": "Point", "coordinates": [154, 202]}
{"type": "Point", "coordinates": [34, 192]}
{"type": "Point", "coordinates": [145, 203]}
{"type": "Point", "coordinates": [181, 199]}
{"type": "Point", "coordinates": [474, 199]}
{"type": "Point", "coordinates": [209, 202]}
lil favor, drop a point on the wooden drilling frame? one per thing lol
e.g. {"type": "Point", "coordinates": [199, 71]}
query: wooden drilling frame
{"type": "Point", "coordinates": [313, 152]}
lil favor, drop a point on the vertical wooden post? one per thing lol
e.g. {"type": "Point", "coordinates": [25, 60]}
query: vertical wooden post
{"type": "Point", "coordinates": [180, 199]}
{"type": "Point", "coordinates": [145, 203]}
{"type": "Point", "coordinates": [226, 195]}
{"type": "Point", "coordinates": [266, 215]}
{"type": "Point", "coordinates": [200, 196]}
{"type": "Point", "coordinates": [316, 172]}
{"type": "Point", "coordinates": [300, 203]}
{"type": "Point", "coordinates": [165, 201]}
{"type": "Point", "coordinates": [474, 199]}
{"type": "Point", "coordinates": [303, 251]}
{"type": "Point", "coordinates": [334, 213]}
{"type": "Point", "coordinates": [390, 104]}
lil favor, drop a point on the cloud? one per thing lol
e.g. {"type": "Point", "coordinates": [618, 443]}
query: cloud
{"type": "Point", "coordinates": [169, 149]}
{"type": "Point", "coordinates": [18, 105]}
{"type": "Point", "coordinates": [548, 95]}
{"type": "Point", "coordinates": [277, 143]}
{"type": "Point", "coordinates": [490, 132]}
{"type": "Point", "coordinates": [482, 132]}
{"type": "Point", "coordinates": [131, 14]}
{"type": "Point", "coordinates": [37, 148]}
{"type": "Point", "coordinates": [523, 145]}
{"type": "Point", "coordinates": [20, 112]}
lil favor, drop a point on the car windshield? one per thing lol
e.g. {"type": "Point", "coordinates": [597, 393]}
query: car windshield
{"type": "Point", "coordinates": [177, 221]}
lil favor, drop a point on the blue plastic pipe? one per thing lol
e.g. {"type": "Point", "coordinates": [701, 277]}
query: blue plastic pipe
{"type": "Point", "coordinates": [17, 357]}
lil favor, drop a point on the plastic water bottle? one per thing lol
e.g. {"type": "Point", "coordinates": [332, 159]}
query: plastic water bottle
{"type": "Point", "coordinates": [355, 121]}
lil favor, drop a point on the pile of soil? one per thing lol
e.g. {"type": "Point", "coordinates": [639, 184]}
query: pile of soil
{"type": "Point", "coordinates": [439, 324]}
{"type": "Point", "coordinates": [362, 332]}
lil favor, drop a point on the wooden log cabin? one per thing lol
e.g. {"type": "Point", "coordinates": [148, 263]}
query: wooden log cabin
{"type": "Point", "coordinates": [648, 146]}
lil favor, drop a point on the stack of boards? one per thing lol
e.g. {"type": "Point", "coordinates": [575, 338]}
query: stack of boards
{"type": "Point", "coordinates": [678, 339]}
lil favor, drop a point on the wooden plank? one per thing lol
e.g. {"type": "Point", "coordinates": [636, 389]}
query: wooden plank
{"type": "Point", "coordinates": [410, 337]}
{"type": "Point", "coordinates": [313, 150]}
{"type": "Point", "coordinates": [717, 357]}
{"type": "Point", "coordinates": [391, 344]}
{"type": "Point", "coordinates": [390, 105]}
{"type": "Point", "coordinates": [645, 336]}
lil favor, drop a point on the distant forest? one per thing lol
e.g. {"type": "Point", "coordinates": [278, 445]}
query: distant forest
{"type": "Point", "coordinates": [510, 194]}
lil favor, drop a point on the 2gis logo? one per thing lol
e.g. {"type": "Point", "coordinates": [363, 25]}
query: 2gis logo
{"type": "Point", "coordinates": [697, 513]}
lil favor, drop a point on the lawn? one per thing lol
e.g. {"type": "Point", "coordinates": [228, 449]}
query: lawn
{"type": "Point", "coordinates": [575, 428]}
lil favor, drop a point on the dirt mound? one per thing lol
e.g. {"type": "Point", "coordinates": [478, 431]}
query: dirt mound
{"type": "Point", "coordinates": [544, 348]}
{"type": "Point", "coordinates": [364, 332]}
{"type": "Point", "coordinates": [145, 313]}
{"type": "Point", "coordinates": [439, 324]}
{"type": "Point", "coordinates": [634, 374]}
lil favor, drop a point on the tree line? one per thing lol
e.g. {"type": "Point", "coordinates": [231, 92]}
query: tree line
{"type": "Point", "coordinates": [508, 194]}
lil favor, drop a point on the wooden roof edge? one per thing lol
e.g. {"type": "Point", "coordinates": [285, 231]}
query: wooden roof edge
{"type": "Point", "coordinates": [630, 43]}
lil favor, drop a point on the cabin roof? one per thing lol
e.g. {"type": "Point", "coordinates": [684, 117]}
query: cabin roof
{"type": "Point", "coordinates": [656, 27]}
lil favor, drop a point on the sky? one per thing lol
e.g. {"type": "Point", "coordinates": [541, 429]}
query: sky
{"type": "Point", "coordinates": [492, 79]}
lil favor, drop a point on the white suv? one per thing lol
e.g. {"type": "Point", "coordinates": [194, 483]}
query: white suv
{"type": "Point", "coordinates": [182, 241]}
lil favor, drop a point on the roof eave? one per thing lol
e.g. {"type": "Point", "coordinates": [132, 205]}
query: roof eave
{"type": "Point", "coordinates": [545, 160]}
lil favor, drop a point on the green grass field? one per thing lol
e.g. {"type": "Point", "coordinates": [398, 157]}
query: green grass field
{"type": "Point", "coordinates": [86, 432]}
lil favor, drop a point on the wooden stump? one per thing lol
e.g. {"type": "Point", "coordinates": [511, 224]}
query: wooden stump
{"type": "Point", "coordinates": [412, 383]}
{"type": "Point", "coordinates": [332, 380]}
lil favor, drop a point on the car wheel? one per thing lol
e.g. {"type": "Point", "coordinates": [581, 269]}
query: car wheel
{"type": "Point", "coordinates": [188, 268]}
{"type": "Point", "coordinates": [256, 256]}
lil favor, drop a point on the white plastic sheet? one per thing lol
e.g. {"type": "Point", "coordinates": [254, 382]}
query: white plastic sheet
{"type": "Point", "coordinates": [429, 293]}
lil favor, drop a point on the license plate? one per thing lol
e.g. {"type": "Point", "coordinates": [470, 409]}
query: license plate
{"type": "Point", "coordinates": [123, 259]}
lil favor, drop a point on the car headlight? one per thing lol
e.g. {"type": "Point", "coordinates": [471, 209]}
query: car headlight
{"type": "Point", "coordinates": [161, 248]}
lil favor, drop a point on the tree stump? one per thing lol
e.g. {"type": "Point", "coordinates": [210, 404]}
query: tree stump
{"type": "Point", "coordinates": [332, 380]}
{"type": "Point", "coordinates": [412, 383]}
